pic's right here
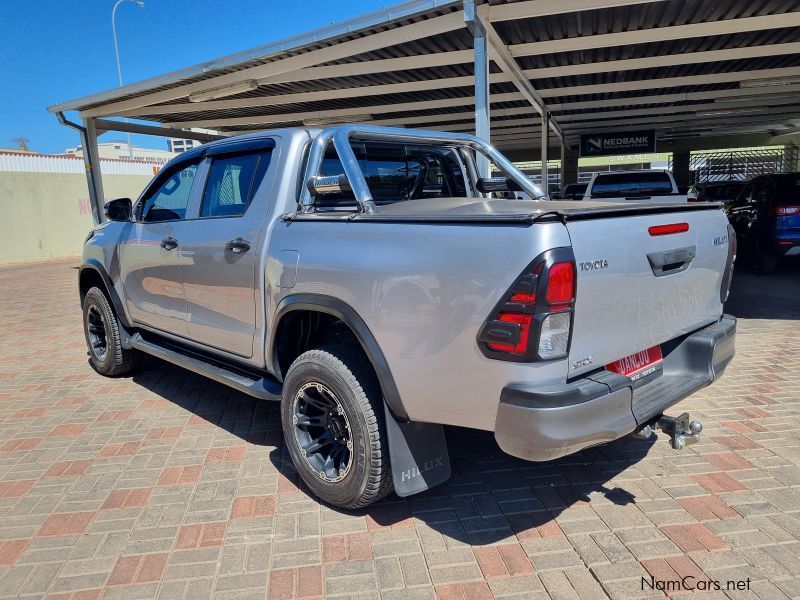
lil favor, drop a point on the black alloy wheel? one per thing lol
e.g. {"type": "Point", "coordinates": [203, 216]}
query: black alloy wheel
{"type": "Point", "coordinates": [96, 332]}
{"type": "Point", "coordinates": [322, 432]}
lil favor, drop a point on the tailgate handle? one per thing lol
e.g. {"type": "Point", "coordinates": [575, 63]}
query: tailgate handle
{"type": "Point", "coordinates": [671, 261]}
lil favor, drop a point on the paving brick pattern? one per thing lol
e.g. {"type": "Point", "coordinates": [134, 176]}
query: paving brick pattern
{"type": "Point", "coordinates": [167, 485]}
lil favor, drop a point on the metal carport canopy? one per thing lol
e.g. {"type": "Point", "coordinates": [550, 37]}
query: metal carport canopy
{"type": "Point", "coordinates": [702, 73]}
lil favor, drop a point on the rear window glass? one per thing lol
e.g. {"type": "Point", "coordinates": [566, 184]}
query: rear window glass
{"type": "Point", "coordinates": [631, 184]}
{"type": "Point", "coordinates": [399, 172]}
{"type": "Point", "coordinates": [575, 188]}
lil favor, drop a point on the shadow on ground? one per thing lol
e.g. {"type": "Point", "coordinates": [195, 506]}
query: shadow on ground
{"type": "Point", "coordinates": [773, 296]}
{"type": "Point", "coordinates": [490, 496]}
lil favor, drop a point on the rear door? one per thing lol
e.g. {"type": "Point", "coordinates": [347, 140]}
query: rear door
{"type": "Point", "coordinates": [636, 290]}
{"type": "Point", "coordinates": [220, 246]}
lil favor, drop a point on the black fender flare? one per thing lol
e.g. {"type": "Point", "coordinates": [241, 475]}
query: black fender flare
{"type": "Point", "coordinates": [348, 315]}
{"type": "Point", "coordinates": [95, 265]}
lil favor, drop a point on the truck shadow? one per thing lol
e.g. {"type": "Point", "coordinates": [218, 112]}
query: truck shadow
{"type": "Point", "coordinates": [490, 497]}
{"type": "Point", "coordinates": [772, 296]}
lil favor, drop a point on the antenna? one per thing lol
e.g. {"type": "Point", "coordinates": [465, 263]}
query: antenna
{"type": "Point", "coordinates": [22, 143]}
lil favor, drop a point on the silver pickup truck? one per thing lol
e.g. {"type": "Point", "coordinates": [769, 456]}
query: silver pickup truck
{"type": "Point", "coordinates": [369, 280]}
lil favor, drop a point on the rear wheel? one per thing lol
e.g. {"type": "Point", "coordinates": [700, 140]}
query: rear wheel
{"type": "Point", "coordinates": [103, 340]}
{"type": "Point", "coordinates": [333, 425]}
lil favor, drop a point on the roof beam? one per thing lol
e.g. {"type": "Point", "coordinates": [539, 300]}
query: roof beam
{"type": "Point", "coordinates": [666, 82]}
{"type": "Point", "coordinates": [419, 62]}
{"type": "Point", "coordinates": [465, 56]}
{"type": "Point", "coordinates": [390, 37]}
{"type": "Point", "coordinates": [658, 34]}
{"type": "Point", "coordinates": [104, 125]}
{"type": "Point", "coordinates": [541, 8]}
{"type": "Point", "coordinates": [503, 59]}
{"type": "Point", "coordinates": [505, 97]}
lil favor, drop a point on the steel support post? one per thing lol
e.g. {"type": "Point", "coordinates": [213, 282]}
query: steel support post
{"type": "Point", "coordinates": [481, 75]}
{"type": "Point", "coordinates": [545, 144]}
{"type": "Point", "coordinates": [91, 162]}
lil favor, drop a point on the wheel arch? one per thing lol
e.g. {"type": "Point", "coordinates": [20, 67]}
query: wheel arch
{"type": "Point", "coordinates": [93, 274]}
{"type": "Point", "coordinates": [334, 307]}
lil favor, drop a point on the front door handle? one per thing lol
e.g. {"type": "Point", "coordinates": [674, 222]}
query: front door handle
{"type": "Point", "coordinates": [169, 243]}
{"type": "Point", "coordinates": [238, 245]}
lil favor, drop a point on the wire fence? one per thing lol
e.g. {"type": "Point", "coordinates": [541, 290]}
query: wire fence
{"type": "Point", "coordinates": [740, 165]}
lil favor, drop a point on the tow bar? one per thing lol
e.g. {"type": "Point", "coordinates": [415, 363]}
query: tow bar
{"type": "Point", "coordinates": [681, 431]}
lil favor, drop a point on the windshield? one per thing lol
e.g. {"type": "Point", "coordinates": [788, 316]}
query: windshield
{"type": "Point", "coordinates": [630, 185]}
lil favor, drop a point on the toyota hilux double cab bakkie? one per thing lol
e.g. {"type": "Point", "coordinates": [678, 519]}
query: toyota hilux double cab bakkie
{"type": "Point", "coordinates": [373, 283]}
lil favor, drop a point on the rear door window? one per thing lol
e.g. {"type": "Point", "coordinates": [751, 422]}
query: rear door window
{"type": "Point", "coordinates": [231, 182]}
{"type": "Point", "coordinates": [631, 185]}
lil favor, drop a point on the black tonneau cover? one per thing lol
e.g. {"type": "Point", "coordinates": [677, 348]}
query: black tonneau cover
{"type": "Point", "coordinates": [496, 211]}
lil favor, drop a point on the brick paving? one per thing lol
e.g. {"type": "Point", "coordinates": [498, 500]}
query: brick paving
{"type": "Point", "coordinates": [167, 485]}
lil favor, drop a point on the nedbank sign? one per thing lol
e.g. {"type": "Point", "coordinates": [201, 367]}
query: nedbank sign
{"type": "Point", "coordinates": [608, 144]}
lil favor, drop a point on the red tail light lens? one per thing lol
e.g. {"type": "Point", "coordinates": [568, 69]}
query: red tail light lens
{"type": "Point", "coordinates": [561, 285]}
{"type": "Point", "coordinates": [524, 322]}
{"type": "Point", "coordinates": [787, 211]}
{"type": "Point", "coordinates": [668, 229]}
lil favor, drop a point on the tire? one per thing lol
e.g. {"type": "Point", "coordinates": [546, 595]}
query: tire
{"type": "Point", "coordinates": [766, 264]}
{"type": "Point", "coordinates": [343, 374]}
{"type": "Point", "coordinates": [103, 341]}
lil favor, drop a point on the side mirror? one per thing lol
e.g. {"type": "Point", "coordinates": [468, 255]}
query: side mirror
{"type": "Point", "coordinates": [120, 209]}
{"type": "Point", "coordinates": [328, 184]}
{"type": "Point", "coordinates": [487, 185]}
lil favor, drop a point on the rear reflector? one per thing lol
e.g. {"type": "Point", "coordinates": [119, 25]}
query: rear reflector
{"type": "Point", "coordinates": [787, 211]}
{"type": "Point", "coordinates": [668, 229]}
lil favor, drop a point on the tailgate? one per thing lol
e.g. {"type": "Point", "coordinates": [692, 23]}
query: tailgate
{"type": "Point", "coordinates": [627, 302]}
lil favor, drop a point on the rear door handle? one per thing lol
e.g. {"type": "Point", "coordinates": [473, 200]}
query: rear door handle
{"type": "Point", "coordinates": [169, 243]}
{"type": "Point", "coordinates": [238, 245]}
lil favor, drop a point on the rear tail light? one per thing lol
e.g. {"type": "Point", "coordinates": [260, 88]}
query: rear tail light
{"type": "Point", "coordinates": [533, 321]}
{"type": "Point", "coordinates": [727, 277]}
{"type": "Point", "coordinates": [787, 211]}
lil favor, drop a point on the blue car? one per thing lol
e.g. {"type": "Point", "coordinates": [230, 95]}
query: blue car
{"type": "Point", "coordinates": [766, 218]}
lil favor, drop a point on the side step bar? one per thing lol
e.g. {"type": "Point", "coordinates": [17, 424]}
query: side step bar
{"type": "Point", "coordinates": [265, 388]}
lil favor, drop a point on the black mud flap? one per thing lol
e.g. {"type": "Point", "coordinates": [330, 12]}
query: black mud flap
{"type": "Point", "coordinates": [418, 452]}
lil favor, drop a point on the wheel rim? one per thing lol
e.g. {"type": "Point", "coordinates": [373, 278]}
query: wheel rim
{"type": "Point", "coordinates": [322, 432]}
{"type": "Point", "coordinates": [96, 333]}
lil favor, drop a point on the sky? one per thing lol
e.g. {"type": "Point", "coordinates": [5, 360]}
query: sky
{"type": "Point", "coordinates": [57, 50]}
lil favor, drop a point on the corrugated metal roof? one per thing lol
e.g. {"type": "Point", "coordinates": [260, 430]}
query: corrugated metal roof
{"type": "Point", "coordinates": [662, 69]}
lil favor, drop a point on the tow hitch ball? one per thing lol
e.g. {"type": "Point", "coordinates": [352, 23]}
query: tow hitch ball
{"type": "Point", "coordinates": [680, 430]}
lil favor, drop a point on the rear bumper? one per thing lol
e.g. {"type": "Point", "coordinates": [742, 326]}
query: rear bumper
{"type": "Point", "coordinates": [544, 423]}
